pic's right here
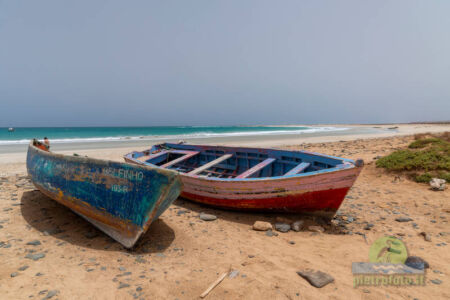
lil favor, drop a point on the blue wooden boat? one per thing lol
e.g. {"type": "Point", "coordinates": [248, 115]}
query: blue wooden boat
{"type": "Point", "coordinates": [120, 199]}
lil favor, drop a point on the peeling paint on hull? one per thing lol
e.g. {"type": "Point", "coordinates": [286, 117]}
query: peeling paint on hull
{"type": "Point", "coordinates": [321, 194]}
{"type": "Point", "coordinates": [120, 199]}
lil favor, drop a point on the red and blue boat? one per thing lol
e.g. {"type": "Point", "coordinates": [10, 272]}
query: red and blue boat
{"type": "Point", "coordinates": [120, 199]}
{"type": "Point", "coordinates": [256, 179]}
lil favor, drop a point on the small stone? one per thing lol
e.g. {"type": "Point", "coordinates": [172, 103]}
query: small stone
{"type": "Point", "coordinates": [368, 226]}
{"type": "Point", "coordinates": [36, 256]}
{"type": "Point", "coordinates": [271, 233]}
{"type": "Point", "coordinates": [297, 225]}
{"type": "Point", "coordinates": [140, 260]}
{"type": "Point", "coordinates": [233, 273]}
{"type": "Point", "coordinates": [34, 243]}
{"type": "Point", "coordinates": [436, 281]}
{"type": "Point", "coordinates": [50, 294]}
{"type": "Point", "coordinates": [437, 184]}
{"type": "Point", "coordinates": [317, 279]}
{"type": "Point", "coordinates": [282, 227]}
{"type": "Point", "coordinates": [416, 263]}
{"type": "Point", "coordinates": [14, 274]}
{"type": "Point", "coordinates": [426, 236]}
{"type": "Point", "coordinates": [292, 242]}
{"type": "Point", "coordinates": [207, 217]}
{"type": "Point", "coordinates": [335, 222]}
{"type": "Point", "coordinates": [123, 285]}
{"type": "Point", "coordinates": [403, 219]}
{"type": "Point", "coordinates": [262, 226]}
{"type": "Point", "coordinates": [23, 268]}
{"type": "Point", "coordinates": [319, 229]}
{"type": "Point", "coordinates": [122, 269]}
{"type": "Point", "coordinates": [38, 274]}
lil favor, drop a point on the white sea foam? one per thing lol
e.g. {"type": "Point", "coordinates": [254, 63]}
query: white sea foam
{"type": "Point", "coordinates": [180, 136]}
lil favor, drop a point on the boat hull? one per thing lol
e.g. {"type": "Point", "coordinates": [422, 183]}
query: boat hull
{"type": "Point", "coordinates": [120, 199]}
{"type": "Point", "coordinates": [320, 194]}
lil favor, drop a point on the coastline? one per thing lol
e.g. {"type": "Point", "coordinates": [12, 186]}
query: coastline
{"type": "Point", "coordinates": [14, 155]}
{"type": "Point", "coordinates": [181, 255]}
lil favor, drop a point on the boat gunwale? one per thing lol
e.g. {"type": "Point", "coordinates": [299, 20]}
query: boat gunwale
{"type": "Point", "coordinates": [80, 158]}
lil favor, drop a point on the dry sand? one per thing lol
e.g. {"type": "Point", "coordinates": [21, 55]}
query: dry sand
{"type": "Point", "coordinates": [182, 255]}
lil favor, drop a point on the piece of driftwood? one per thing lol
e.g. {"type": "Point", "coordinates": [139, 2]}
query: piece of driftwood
{"type": "Point", "coordinates": [213, 285]}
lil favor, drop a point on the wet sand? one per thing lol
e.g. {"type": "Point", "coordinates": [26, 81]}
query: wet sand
{"type": "Point", "coordinates": [181, 255]}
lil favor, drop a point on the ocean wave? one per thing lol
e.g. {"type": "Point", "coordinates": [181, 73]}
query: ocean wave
{"type": "Point", "coordinates": [199, 134]}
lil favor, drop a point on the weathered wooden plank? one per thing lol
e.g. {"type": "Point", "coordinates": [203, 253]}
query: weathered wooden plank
{"type": "Point", "coordinates": [210, 164]}
{"type": "Point", "coordinates": [298, 169]}
{"type": "Point", "coordinates": [188, 155]}
{"type": "Point", "coordinates": [147, 157]}
{"type": "Point", "coordinates": [256, 168]}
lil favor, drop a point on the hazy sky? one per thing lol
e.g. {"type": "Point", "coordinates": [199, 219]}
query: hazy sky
{"type": "Point", "coordinates": [80, 63]}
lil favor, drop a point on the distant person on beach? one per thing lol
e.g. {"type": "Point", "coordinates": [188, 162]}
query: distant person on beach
{"type": "Point", "coordinates": [47, 142]}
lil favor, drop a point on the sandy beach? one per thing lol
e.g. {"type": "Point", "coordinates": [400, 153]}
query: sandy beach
{"type": "Point", "coordinates": [48, 251]}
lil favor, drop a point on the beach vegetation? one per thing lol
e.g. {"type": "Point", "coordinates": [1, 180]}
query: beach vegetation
{"type": "Point", "coordinates": [425, 158]}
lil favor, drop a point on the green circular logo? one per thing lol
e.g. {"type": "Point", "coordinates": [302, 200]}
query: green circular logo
{"type": "Point", "coordinates": [388, 249]}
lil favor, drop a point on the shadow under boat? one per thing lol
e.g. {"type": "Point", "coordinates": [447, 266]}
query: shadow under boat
{"type": "Point", "coordinates": [51, 218]}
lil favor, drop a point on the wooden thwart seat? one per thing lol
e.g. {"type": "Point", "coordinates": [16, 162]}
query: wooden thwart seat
{"type": "Point", "coordinates": [188, 155]}
{"type": "Point", "coordinates": [298, 169]}
{"type": "Point", "coordinates": [151, 156]}
{"type": "Point", "coordinates": [256, 168]}
{"type": "Point", "coordinates": [210, 164]}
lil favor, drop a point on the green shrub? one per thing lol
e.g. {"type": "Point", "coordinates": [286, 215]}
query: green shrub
{"type": "Point", "coordinates": [423, 142]}
{"type": "Point", "coordinates": [425, 177]}
{"type": "Point", "coordinates": [425, 158]}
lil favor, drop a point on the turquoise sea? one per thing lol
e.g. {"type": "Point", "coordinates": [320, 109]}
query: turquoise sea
{"type": "Point", "coordinates": [22, 135]}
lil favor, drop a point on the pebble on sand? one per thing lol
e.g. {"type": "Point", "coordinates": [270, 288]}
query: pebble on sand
{"type": "Point", "coordinates": [282, 227]}
{"type": "Point", "coordinates": [368, 226]}
{"type": "Point", "coordinates": [317, 279]}
{"type": "Point", "coordinates": [51, 294]}
{"type": "Point", "coordinates": [297, 225]}
{"type": "Point", "coordinates": [123, 285]}
{"type": "Point", "coordinates": [316, 229]}
{"type": "Point", "coordinates": [271, 233]}
{"type": "Point", "coordinates": [417, 263]}
{"type": "Point", "coordinates": [436, 281]}
{"type": "Point", "coordinates": [207, 217]}
{"type": "Point", "coordinates": [437, 184]}
{"type": "Point", "coordinates": [34, 243]}
{"type": "Point", "coordinates": [14, 274]}
{"type": "Point", "coordinates": [426, 236]}
{"type": "Point", "coordinates": [262, 226]}
{"type": "Point", "coordinates": [36, 256]}
{"type": "Point", "coordinates": [403, 219]}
